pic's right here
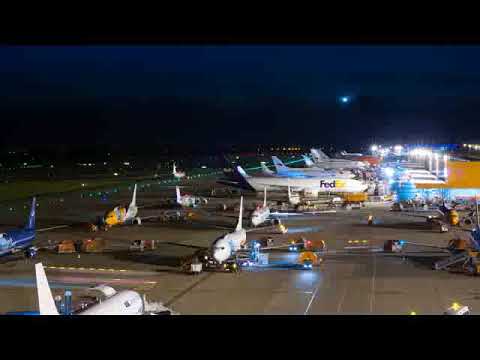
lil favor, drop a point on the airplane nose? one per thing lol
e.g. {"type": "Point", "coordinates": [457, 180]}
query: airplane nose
{"type": "Point", "coordinates": [218, 255]}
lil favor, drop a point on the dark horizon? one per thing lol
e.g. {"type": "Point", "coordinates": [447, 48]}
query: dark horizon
{"type": "Point", "coordinates": [201, 95]}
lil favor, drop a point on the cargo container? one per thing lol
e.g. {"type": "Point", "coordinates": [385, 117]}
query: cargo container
{"type": "Point", "coordinates": [93, 245]}
{"type": "Point", "coordinates": [355, 197]}
{"type": "Point", "coordinates": [66, 247]}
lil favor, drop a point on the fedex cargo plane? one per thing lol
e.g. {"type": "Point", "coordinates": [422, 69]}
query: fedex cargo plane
{"type": "Point", "coordinates": [326, 185]}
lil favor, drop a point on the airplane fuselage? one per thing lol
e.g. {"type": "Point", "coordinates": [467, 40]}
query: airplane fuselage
{"type": "Point", "coordinates": [338, 164]}
{"type": "Point", "coordinates": [327, 185]}
{"type": "Point", "coordinates": [260, 215]}
{"type": "Point", "coordinates": [315, 172]}
{"type": "Point", "coordinates": [227, 245]}
{"type": "Point", "coordinates": [15, 240]}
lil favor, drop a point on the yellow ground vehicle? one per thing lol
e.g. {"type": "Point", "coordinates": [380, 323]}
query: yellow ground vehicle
{"type": "Point", "coordinates": [453, 217]}
{"type": "Point", "coordinates": [308, 258]}
{"type": "Point", "coordinates": [355, 197]}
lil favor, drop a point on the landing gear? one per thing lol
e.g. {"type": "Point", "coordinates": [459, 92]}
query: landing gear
{"type": "Point", "coordinates": [30, 253]}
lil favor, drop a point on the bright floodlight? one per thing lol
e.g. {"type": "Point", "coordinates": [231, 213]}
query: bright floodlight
{"type": "Point", "coordinates": [374, 148]}
{"type": "Point", "coordinates": [389, 172]}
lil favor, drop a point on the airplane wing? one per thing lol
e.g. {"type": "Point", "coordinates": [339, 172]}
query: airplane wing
{"type": "Point", "coordinates": [286, 214]}
{"type": "Point", "coordinates": [46, 303]}
{"type": "Point", "coordinates": [52, 228]}
{"type": "Point", "coordinates": [424, 216]}
{"type": "Point", "coordinates": [320, 212]}
{"type": "Point", "coordinates": [281, 214]}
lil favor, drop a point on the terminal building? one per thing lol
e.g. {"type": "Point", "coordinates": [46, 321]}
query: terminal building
{"type": "Point", "coordinates": [459, 180]}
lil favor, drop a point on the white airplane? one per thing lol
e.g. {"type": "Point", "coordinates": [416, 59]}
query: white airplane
{"type": "Point", "coordinates": [227, 245]}
{"type": "Point", "coordinates": [125, 302]}
{"type": "Point", "coordinates": [312, 185]}
{"type": "Point", "coordinates": [308, 162]}
{"type": "Point", "coordinates": [284, 170]}
{"type": "Point", "coordinates": [323, 161]}
{"type": "Point", "coordinates": [121, 215]}
{"type": "Point", "coordinates": [177, 174]}
{"type": "Point", "coordinates": [344, 153]}
{"type": "Point", "coordinates": [265, 170]}
{"type": "Point", "coordinates": [189, 200]}
{"type": "Point", "coordinates": [261, 213]}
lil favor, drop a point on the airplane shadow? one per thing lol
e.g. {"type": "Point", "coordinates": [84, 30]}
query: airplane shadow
{"type": "Point", "coordinates": [184, 245]}
{"type": "Point", "coordinates": [153, 258]}
{"type": "Point", "coordinates": [425, 262]}
{"type": "Point", "coordinates": [10, 259]}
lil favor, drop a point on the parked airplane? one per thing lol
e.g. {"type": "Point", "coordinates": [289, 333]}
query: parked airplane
{"type": "Point", "coordinates": [344, 153]}
{"type": "Point", "coordinates": [308, 162]}
{"type": "Point", "coordinates": [284, 170]}
{"type": "Point", "coordinates": [323, 161]}
{"type": "Point", "coordinates": [225, 246]}
{"type": "Point", "coordinates": [17, 240]}
{"type": "Point", "coordinates": [372, 160]}
{"type": "Point", "coordinates": [177, 174]}
{"type": "Point", "coordinates": [313, 185]}
{"type": "Point", "coordinates": [261, 213]}
{"type": "Point", "coordinates": [265, 170]}
{"type": "Point", "coordinates": [125, 302]}
{"type": "Point", "coordinates": [189, 200]}
{"type": "Point", "coordinates": [121, 215]}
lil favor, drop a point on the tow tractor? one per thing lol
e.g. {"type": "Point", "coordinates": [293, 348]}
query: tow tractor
{"type": "Point", "coordinates": [202, 260]}
{"type": "Point", "coordinates": [256, 258]}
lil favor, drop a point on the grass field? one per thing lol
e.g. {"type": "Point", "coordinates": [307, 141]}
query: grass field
{"type": "Point", "coordinates": [24, 189]}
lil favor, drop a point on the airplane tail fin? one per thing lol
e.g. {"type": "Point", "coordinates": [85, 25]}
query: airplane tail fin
{"type": "Point", "coordinates": [177, 189]}
{"type": "Point", "coordinates": [308, 161]}
{"type": "Point", "coordinates": [265, 169]}
{"type": "Point", "coordinates": [241, 178]}
{"type": "Point", "coordinates": [318, 154]}
{"type": "Point", "coordinates": [46, 304]}
{"type": "Point", "coordinates": [134, 197]}
{"type": "Point", "coordinates": [240, 215]}
{"type": "Point", "coordinates": [31, 217]}
{"type": "Point", "coordinates": [242, 172]}
{"type": "Point", "coordinates": [279, 165]}
{"type": "Point", "coordinates": [265, 196]}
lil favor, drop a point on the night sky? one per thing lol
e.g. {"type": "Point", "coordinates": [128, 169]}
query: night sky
{"type": "Point", "coordinates": [238, 94]}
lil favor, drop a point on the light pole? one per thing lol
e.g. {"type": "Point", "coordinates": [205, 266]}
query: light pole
{"type": "Point", "coordinates": [445, 172]}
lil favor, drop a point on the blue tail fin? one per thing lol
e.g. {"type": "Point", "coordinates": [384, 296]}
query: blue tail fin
{"type": "Point", "coordinates": [31, 217]}
{"type": "Point", "coordinates": [279, 165]}
{"type": "Point", "coordinates": [308, 161]}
